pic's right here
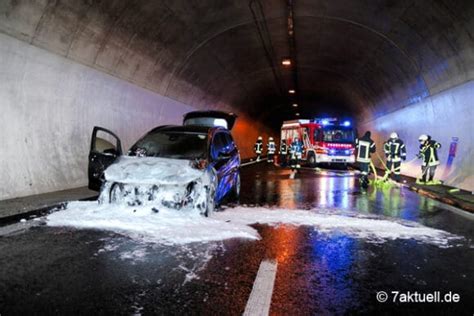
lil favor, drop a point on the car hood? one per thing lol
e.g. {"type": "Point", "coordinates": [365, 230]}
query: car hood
{"type": "Point", "coordinates": [151, 170]}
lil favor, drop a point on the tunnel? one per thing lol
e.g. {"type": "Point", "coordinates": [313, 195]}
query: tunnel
{"type": "Point", "coordinates": [239, 230]}
{"type": "Point", "coordinates": [404, 66]}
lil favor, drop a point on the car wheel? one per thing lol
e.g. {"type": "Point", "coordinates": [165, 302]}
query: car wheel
{"type": "Point", "coordinates": [210, 201]}
{"type": "Point", "coordinates": [116, 193]}
{"type": "Point", "coordinates": [312, 160]}
{"type": "Point", "coordinates": [236, 189]}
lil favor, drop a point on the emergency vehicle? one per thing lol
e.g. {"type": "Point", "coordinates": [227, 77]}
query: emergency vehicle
{"type": "Point", "coordinates": [324, 140]}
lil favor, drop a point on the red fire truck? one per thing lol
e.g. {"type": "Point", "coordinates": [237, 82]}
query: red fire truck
{"type": "Point", "coordinates": [325, 140]}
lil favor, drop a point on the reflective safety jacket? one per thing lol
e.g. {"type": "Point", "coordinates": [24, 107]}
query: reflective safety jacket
{"type": "Point", "coordinates": [395, 150]}
{"type": "Point", "coordinates": [258, 147]}
{"type": "Point", "coordinates": [365, 146]}
{"type": "Point", "coordinates": [296, 149]}
{"type": "Point", "coordinates": [429, 153]}
{"type": "Point", "coordinates": [271, 148]}
{"type": "Point", "coordinates": [283, 149]}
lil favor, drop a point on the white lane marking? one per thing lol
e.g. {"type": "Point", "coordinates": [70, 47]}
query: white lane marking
{"type": "Point", "coordinates": [261, 296]}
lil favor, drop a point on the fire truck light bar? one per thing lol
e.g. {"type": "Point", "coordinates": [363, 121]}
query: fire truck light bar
{"type": "Point", "coordinates": [331, 121]}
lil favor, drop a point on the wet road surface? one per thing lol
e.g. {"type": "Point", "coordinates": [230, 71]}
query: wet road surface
{"type": "Point", "coordinates": [57, 270]}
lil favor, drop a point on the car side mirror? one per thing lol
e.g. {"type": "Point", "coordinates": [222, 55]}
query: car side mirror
{"type": "Point", "coordinates": [223, 156]}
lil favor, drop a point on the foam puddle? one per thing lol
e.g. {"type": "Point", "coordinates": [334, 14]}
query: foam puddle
{"type": "Point", "coordinates": [172, 227]}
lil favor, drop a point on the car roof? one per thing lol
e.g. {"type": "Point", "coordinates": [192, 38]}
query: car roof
{"type": "Point", "coordinates": [228, 117]}
{"type": "Point", "coordinates": [186, 129]}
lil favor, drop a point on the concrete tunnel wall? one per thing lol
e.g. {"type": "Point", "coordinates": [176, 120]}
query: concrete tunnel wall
{"type": "Point", "coordinates": [445, 115]}
{"type": "Point", "coordinates": [49, 106]}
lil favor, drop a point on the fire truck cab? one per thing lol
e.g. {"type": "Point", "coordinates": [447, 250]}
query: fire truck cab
{"type": "Point", "coordinates": [324, 140]}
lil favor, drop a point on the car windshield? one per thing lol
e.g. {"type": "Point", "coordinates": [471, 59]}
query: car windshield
{"type": "Point", "coordinates": [178, 145]}
{"type": "Point", "coordinates": [337, 134]}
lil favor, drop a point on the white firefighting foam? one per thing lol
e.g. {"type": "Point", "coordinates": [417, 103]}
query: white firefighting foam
{"type": "Point", "coordinates": [143, 223]}
{"type": "Point", "coordinates": [173, 183]}
{"type": "Point", "coordinates": [175, 227]}
{"type": "Point", "coordinates": [152, 170]}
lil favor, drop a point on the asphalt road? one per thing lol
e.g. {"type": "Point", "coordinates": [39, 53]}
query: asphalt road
{"type": "Point", "coordinates": [56, 270]}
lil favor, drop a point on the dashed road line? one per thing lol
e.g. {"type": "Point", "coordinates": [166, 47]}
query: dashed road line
{"type": "Point", "coordinates": [261, 296]}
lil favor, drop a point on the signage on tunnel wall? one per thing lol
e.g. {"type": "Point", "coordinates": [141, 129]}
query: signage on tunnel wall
{"type": "Point", "coordinates": [453, 147]}
{"type": "Point", "coordinates": [452, 153]}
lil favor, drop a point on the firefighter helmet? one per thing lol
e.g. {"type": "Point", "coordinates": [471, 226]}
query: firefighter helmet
{"type": "Point", "coordinates": [393, 135]}
{"type": "Point", "coordinates": [259, 138]}
{"type": "Point", "coordinates": [423, 138]}
{"type": "Point", "coordinates": [270, 138]}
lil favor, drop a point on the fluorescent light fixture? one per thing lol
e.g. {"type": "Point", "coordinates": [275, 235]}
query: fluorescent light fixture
{"type": "Point", "coordinates": [297, 114]}
{"type": "Point", "coordinates": [291, 91]}
{"type": "Point", "coordinates": [295, 105]}
{"type": "Point", "coordinates": [286, 62]}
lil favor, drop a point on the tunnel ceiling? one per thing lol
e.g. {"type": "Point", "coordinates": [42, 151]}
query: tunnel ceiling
{"type": "Point", "coordinates": [366, 57]}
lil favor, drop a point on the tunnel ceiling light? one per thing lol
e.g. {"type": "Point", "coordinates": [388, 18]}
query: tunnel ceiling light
{"type": "Point", "coordinates": [295, 105]}
{"type": "Point", "coordinates": [286, 62]}
{"type": "Point", "coordinates": [291, 91]}
{"type": "Point", "coordinates": [297, 114]}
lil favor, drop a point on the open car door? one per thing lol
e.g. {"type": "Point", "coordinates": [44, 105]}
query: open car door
{"type": "Point", "coordinates": [105, 149]}
{"type": "Point", "coordinates": [210, 118]}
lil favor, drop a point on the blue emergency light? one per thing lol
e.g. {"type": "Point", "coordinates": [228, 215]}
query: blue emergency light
{"type": "Point", "coordinates": [331, 121]}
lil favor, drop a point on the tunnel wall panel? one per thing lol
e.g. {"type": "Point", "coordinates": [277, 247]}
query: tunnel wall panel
{"type": "Point", "coordinates": [443, 116]}
{"type": "Point", "coordinates": [49, 106]}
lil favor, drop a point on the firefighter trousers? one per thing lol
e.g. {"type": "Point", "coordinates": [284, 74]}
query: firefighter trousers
{"type": "Point", "coordinates": [397, 165]}
{"type": "Point", "coordinates": [428, 173]}
{"type": "Point", "coordinates": [283, 160]}
{"type": "Point", "coordinates": [295, 162]}
{"type": "Point", "coordinates": [364, 173]}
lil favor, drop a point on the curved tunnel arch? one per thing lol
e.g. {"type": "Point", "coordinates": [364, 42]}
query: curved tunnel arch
{"type": "Point", "coordinates": [204, 44]}
{"type": "Point", "coordinates": [163, 79]}
{"type": "Point", "coordinates": [386, 57]}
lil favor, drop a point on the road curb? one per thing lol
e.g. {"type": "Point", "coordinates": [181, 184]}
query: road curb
{"type": "Point", "coordinates": [445, 199]}
{"type": "Point", "coordinates": [45, 208]}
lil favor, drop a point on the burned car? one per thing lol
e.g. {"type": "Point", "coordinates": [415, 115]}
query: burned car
{"type": "Point", "coordinates": [193, 166]}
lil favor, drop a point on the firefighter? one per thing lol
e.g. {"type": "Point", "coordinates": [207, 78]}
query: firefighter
{"type": "Point", "coordinates": [395, 151]}
{"type": "Point", "coordinates": [283, 153]}
{"type": "Point", "coordinates": [429, 155]}
{"type": "Point", "coordinates": [258, 148]}
{"type": "Point", "coordinates": [365, 146]}
{"type": "Point", "coordinates": [271, 148]}
{"type": "Point", "coordinates": [296, 152]}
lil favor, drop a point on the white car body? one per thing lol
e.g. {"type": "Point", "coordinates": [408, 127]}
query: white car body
{"type": "Point", "coordinates": [159, 182]}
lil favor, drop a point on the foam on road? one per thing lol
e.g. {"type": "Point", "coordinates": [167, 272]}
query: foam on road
{"type": "Point", "coordinates": [175, 227]}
